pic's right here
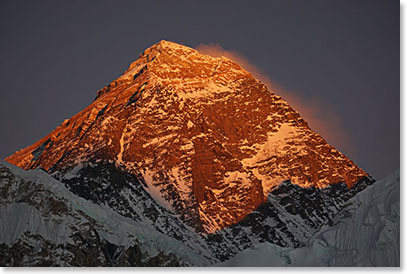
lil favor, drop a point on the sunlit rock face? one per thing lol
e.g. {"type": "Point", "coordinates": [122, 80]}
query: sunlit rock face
{"type": "Point", "coordinates": [206, 139]}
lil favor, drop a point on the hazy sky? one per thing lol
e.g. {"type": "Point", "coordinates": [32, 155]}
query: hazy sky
{"type": "Point", "coordinates": [341, 54]}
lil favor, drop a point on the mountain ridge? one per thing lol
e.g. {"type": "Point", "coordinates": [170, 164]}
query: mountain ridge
{"type": "Point", "coordinates": [368, 237]}
{"type": "Point", "coordinates": [44, 224]}
{"type": "Point", "coordinates": [64, 228]}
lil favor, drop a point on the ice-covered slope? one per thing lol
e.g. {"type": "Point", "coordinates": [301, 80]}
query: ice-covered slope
{"type": "Point", "coordinates": [42, 224]}
{"type": "Point", "coordinates": [370, 236]}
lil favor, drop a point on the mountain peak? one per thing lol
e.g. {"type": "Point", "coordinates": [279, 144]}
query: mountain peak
{"type": "Point", "coordinates": [173, 65]}
{"type": "Point", "coordinates": [208, 140]}
{"type": "Point", "coordinates": [169, 44]}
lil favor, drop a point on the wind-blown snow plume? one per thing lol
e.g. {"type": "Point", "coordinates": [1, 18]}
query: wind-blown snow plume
{"type": "Point", "coordinates": [319, 114]}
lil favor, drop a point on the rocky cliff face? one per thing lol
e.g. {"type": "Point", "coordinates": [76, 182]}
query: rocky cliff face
{"type": "Point", "coordinates": [202, 136]}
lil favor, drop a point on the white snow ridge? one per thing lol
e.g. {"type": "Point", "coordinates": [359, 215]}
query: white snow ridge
{"type": "Point", "coordinates": [29, 220]}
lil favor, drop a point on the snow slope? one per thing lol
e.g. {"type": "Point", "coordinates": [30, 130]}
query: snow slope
{"type": "Point", "coordinates": [369, 237]}
{"type": "Point", "coordinates": [40, 212]}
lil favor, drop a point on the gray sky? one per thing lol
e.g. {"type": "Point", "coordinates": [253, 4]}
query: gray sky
{"type": "Point", "coordinates": [55, 55]}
